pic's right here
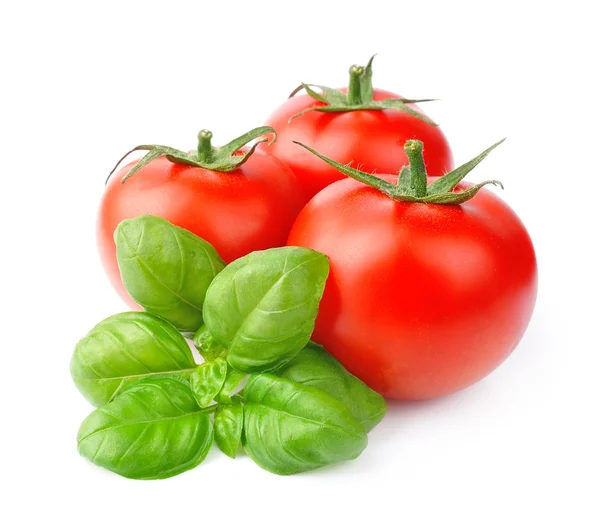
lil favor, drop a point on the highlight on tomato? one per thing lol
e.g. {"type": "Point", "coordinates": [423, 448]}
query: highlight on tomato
{"type": "Point", "coordinates": [238, 199]}
{"type": "Point", "coordinates": [431, 286]}
{"type": "Point", "coordinates": [360, 126]}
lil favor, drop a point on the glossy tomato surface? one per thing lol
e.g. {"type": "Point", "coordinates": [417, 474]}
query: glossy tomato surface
{"type": "Point", "coordinates": [422, 300]}
{"type": "Point", "coordinates": [370, 140]}
{"type": "Point", "coordinates": [251, 208]}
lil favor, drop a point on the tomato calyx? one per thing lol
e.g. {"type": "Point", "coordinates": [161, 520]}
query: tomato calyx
{"type": "Point", "coordinates": [412, 185]}
{"type": "Point", "coordinates": [224, 159]}
{"type": "Point", "coordinates": [358, 97]}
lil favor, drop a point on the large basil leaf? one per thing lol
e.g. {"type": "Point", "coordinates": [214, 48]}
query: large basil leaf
{"type": "Point", "coordinates": [166, 269]}
{"type": "Point", "coordinates": [290, 427]}
{"type": "Point", "coordinates": [207, 380]}
{"type": "Point", "coordinates": [153, 430]}
{"type": "Point", "coordinates": [262, 307]}
{"type": "Point", "coordinates": [314, 366]}
{"type": "Point", "coordinates": [229, 420]}
{"type": "Point", "coordinates": [125, 348]}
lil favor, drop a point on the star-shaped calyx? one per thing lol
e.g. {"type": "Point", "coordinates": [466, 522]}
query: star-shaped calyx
{"type": "Point", "coordinates": [359, 96]}
{"type": "Point", "coordinates": [224, 159]}
{"type": "Point", "coordinates": [411, 184]}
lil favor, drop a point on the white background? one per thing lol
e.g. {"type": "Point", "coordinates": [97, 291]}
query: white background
{"type": "Point", "coordinates": [83, 82]}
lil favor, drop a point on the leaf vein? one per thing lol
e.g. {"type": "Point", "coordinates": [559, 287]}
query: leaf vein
{"type": "Point", "coordinates": [242, 326]}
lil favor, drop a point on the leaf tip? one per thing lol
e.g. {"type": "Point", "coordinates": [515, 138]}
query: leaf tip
{"type": "Point", "coordinates": [304, 146]}
{"type": "Point", "coordinates": [126, 176]}
{"type": "Point", "coordinates": [273, 136]}
{"type": "Point", "coordinates": [297, 90]}
{"type": "Point", "coordinates": [130, 230]}
{"type": "Point", "coordinates": [300, 114]}
{"type": "Point", "coordinates": [370, 63]}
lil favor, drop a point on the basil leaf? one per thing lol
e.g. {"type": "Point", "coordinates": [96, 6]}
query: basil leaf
{"type": "Point", "coordinates": [229, 421]}
{"type": "Point", "coordinates": [290, 427]}
{"type": "Point", "coordinates": [232, 381]}
{"type": "Point", "coordinates": [125, 348]}
{"type": "Point", "coordinates": [208, 348]}
{"type": "Point", "coordinates": [263, 306]}
{"type": "Point", "coordinates": [153, 430]}
{"type": "Point", "coordinates": [314, 366]}
{"type": "Point", "coordinates": [166, 269]}
{"type": "Point", "coordinates": [207, 380]}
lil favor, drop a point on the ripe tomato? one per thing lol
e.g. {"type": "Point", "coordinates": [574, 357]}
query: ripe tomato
{"type": "Point", "coordinates": [422, 299]}
{"type": "Point", "coordinates": [368, 139]}
{"type": "Point", "coordinates": [249, 208]}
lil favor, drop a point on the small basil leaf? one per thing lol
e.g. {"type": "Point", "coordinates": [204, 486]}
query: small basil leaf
{"type": "Point", "coordinates": [208, 348]}
{"type": "Point", "coordinates": [290, 427]}
{"type": "Point", "coordinates": [153, 430]}
{"type": "Point", "coordinates": [229, 420]}
{"type": "Point", "coordinates": [314, 366]}
{"type": "Point", "coordinates": [263, 306]}
{"type": "Point", "coordinates": [125, 348]}
{"type": "Point", "coordinates": [207, 380]}
{"type": "Point", "coordinates": [232, 382]}
{"type": "Point", "coordinates": [166, 269]}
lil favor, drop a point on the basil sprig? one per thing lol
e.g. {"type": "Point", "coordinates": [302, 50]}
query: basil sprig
{"type": "Point", "coordinates": [298, 410]}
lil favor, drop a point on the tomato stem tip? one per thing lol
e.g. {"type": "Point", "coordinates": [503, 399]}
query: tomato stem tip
{"type": "Point", "coordinates": [205, 149]}
{"type": "Point", "coordinates": [356, 70]}
{"type": "Point", "coordinates": [418, 180]}
{"type": "Point", "coordinates": [354, 86]}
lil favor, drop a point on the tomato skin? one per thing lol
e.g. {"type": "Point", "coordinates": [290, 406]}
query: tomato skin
{"type": "Point", "coordinates": [370, 140]}
{"type": "Point", "coordinates": [251, 208]}
{"type": "Point", "coordinates": [422, 300]}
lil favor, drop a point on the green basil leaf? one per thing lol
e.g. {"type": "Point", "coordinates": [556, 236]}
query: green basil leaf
{"type": "Point", "coordinates": [125, 348]}
{"type": "Point", "coordinates": [232, 382]}
{"type": "Point", "coordinates": [166, 269]}
{"type": "Point", "coordinates": [263, 306]}
{"type": "Point", "coordinates": [153, 430]}
{"type": "Point", "coordinates": [208, 348]}
{"type": "Point", "coordinates": [314, 366]}
{"type": "Point", "coordinates": [229, 421]}
{"type": "Point", "coordinates": [290, 427]}
{"type": "Point", "coordinates": [207, 380]}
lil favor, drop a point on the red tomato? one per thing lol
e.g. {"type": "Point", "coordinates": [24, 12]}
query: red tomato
{"type": "Point", "coordinates": [370, 140]}
{"type": "Point", "coordinates": [422, 299]}
{"type": "Point", "coordinates": [251, 208]}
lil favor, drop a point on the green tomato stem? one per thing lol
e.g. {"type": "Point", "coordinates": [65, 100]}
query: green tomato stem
{"type": "Point", "coordinates": [354, 91]}
{"type": "Point", "coordinates": [205, 149]}
{"type": "Point", "coordinates": [418, 180]}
